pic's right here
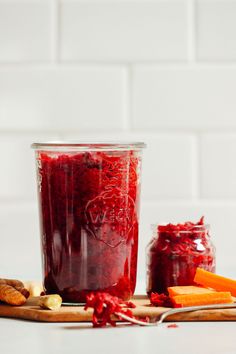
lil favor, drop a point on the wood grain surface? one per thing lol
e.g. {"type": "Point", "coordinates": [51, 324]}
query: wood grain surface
{"type": "Point", "coordinates": [143, 309]}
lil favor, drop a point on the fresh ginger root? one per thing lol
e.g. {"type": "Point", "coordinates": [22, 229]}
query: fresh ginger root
{"type": "Point", "coordinates": [50, 302]}
{"type": "Point", "coordinates": [13, 292]}
{"type": "Point", "coordinates": [34, 288]}
{"type": "Point", "coordinates": [38, 298]}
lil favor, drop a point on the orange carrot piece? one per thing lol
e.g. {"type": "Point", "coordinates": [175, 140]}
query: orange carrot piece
{"type": "Point", "coordinates": [214, 281]}
{"type": "Point", "coordinates": [202, 299]}
{"type": "Point", "coordinates": [187, 290]}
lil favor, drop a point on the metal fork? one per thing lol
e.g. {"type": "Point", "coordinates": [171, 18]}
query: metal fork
{"type": "Point", "coordinates": [175, 311]}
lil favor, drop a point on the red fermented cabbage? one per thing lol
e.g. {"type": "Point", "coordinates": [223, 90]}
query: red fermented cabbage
{"type": "Point", "coordinates": [106, 305]}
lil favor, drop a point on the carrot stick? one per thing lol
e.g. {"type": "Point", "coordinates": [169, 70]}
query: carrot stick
{"type": "Point", "coordinates": [202, 299]}
{"type": "Point", "coordinates": [214, 281]}
{"type": "Point", "coordinates": [187, 290]}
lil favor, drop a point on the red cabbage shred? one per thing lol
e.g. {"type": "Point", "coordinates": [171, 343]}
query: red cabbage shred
{"type": "Point", "coordinates": [174, 254]}
{"type": "Point", "coordinates": [161, 300]}
{"type": "Point", "coordinates": [105, 306]}
{"type": "Point", "coordinates": [89, 203]}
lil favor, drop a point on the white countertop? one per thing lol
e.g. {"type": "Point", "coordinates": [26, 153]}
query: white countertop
{"type": "Point", "coordinates": [25, 337]}
{"type": "Point", "coordinates": [19, 336]}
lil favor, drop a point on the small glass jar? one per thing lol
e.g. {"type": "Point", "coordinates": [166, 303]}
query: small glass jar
{"type": "Point", "coordinates": [89, 215]}
{"type": "Point", "coordinates": [174, 253]}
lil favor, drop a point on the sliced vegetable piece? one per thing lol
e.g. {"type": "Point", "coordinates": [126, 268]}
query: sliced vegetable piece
{"type": "Point", "coordinates": [51, 302]}
{"type": "Point", "coordinates": [202, 299]}
{"type": "Point", "coordinates": [214, 281]}
{"type": "Point", "coordinates": [188, 289]}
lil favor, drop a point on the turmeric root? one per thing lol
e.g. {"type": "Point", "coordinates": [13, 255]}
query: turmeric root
{"type": "Point", "coordinates": [13, 292]}
{"type": "Point", "coordinates": [11, 296]}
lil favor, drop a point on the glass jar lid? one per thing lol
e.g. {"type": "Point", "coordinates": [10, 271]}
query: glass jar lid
{"type": "Point", "coordinates": [87, 145]}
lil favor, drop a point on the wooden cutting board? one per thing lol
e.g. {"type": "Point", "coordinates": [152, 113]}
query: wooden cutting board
{"type": "Point", "coordinates": [143, 309]}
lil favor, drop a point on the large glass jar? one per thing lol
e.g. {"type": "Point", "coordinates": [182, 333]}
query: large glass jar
{"type": "Point", "coordinates": [174, 253]}
{"type": "Point", "coordinates": [89, 217]}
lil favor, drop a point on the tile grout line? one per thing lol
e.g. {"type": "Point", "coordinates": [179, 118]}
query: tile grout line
{"type": "Point", "coordinates": [159, 132]}
{"type": "Point", "coordinates": [200, 64]}
{"type": "Point", "coordinates": [54, 9]}
{"type": "Point", "coordinates": [217, 202]}
{"type": "Point", "coordinates": [192, 13]}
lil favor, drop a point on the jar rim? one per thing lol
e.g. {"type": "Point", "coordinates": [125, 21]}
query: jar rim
{"type": "Point", "coordinates": [87, 145]}
{"type": "Point", "coordinates": [195, 229]}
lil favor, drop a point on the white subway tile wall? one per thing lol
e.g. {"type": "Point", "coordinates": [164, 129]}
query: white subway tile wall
{"type": "Point", "coordinates": [62, 99]}
{"type": "Point", "coordinates": [161, 71]}
{"type": "Point", "coordinates": [168, 156]}
{"type": "Point", "coordinates": [123, 30]}
{"type": "Point", "coordinates": [24, 31]}
{"type": "Point", "coordinates": [184, 98]}
{"type": "Point", "coordinates": [216, 30]}
{"type": "Point", "coordinates": [218, 153]}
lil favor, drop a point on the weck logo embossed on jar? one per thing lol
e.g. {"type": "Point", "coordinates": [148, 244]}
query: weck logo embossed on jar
{"type": "Point", "coordinates": [110, 217]}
